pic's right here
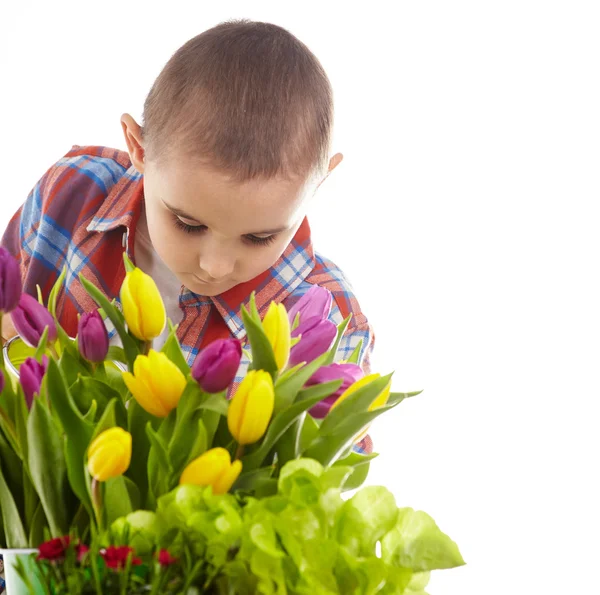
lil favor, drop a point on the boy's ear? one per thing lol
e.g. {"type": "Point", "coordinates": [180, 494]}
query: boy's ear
{"type": "Point", "coordinates": [134, 139]}
{"type": "Point", "coordinates": [333, 163]}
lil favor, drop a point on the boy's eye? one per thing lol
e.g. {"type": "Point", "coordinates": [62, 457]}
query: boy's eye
{"type": "Point", "coordinates": [258, 241]}
{"type": "Point", "coordinates": [189, 228]}
{"type": "Point", "coordinates": [250, 239]}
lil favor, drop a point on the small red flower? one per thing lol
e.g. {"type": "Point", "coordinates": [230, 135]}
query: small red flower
{"type": "Point", "coordinates": [115, 557]}
{"type": "Point", "coordinates": [81, 550]}
{"type": "Point", "coordinates": [165, 559]}
{"type": "Point", "coordinates": [54, 549]}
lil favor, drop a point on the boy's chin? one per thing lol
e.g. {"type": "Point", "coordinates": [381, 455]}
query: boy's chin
{"type": "Point", "coordinates": [208, 289]}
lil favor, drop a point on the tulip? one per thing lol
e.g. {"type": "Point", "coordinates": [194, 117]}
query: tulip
{"type": "Point", "coordinates": [109, 454]}
{"type": "Point", "coordinates": [31, 374]}
{"type": "Point", "coordinates": [316, 337]}
{"type": "Point", "coordinates": [30, 319]}
{"type": "Point", "coordinates": [1, 381]}
{"type": "Point", "coordinates": [213, 468]}
{"type": "Point", "coordinates": [216, 366]}
{"type": "Point", "coordinates": [277, 328]}
{"type": "Point", "coordinates": [92, 337]}
{"type": "Point", "coordinates": [143, 307]}
{"type": "Point", "coordinates": [379, 401]}
{"type": "Point", "coordinates": [156, 383]}
{"type": "Point", "coordinates": [10, 281]}
{"type": "Point", "coordinates": [315, 302]}
{"type": "Point", "coordinates": [348, 373]}
{"type": "Point", "coordinates": [251, 407]}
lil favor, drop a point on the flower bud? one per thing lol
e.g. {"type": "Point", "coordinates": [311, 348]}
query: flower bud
{"type": "Point", "coordinates": [156, 383]}
{"type": "Point", "coordinates": [213, 468]}
{"type": "Point", "coordinates": [31, 374]}
{"type": "Point", "coordinates": [216, 365]}
{"type": "Point", "coordinates": [92, 337]}
{"type": "Point", "coordinates": [277, 328]}
{"type": "Point", "coordinates": [316, 337]}
{"type": "Point", "coordinates": [315, 302]}
{"type": "Point", "coordinates": [30, 319]}
{"type": "Point", "coordinates": [251, 407]}
{"type": "Point", "coordinates": [143, 307]}
{"type": "Point", "coordinates": [109, 454]}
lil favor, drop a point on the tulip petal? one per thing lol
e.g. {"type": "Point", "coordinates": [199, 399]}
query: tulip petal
{"type": "Point", "coordinates": [224, 483]}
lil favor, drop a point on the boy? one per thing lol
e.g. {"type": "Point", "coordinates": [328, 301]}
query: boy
{"type": "Point", "coordinates": [211, 199]}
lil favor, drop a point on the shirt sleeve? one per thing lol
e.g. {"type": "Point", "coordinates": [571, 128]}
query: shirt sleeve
{"type": "Point", "coordinates": [22, 236]}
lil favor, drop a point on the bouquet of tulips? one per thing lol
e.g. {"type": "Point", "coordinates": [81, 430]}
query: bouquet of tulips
{"type": "Point", "coordinates": [131, 471]}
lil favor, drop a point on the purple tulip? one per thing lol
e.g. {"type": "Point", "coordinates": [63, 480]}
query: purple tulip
{"type": "Point", "coordinates": [1, 381]}
{"type": "Point", "coordinates": [318, 336]}
{"type": "Point", "coordinates": [30, 319]}
{"type": "Point", "coordinates": [216, 365]}
{"type": "Point", "coordinates": [31, 374]}
{"type": "Point", "coordinates": [348, 373]}
{"type": "Point", "coordinates": [315, 302]}
{"type": "Point", "coordinates": [92, 337]}
{"type": "Point", "coordinates": [10, 281]}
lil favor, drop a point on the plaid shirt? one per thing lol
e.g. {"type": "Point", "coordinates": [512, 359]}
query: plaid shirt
{"type": "Point", "coordinates": [83, 214]}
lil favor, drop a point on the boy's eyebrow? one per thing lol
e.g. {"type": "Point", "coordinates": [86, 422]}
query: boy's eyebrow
{"type": "Point", "coordinates": [183, 214]}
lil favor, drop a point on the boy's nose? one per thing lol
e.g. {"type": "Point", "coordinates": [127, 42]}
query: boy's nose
{"type": "Point", "coordinates": [216, 267]}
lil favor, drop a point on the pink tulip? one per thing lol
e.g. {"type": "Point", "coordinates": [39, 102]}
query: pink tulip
{"type": "Point", "coordinates": [92, 337]}
{"type": "Point", "coordinates": [217, 364]}
{"type": "Point", "coordinates": [317, 336]}
{"type": "Point", "coordinates": [315, 302]}
{"type": "Point", "coordinates": [348, 373]}
{"type": "Point", "coordinates": [30, 319]}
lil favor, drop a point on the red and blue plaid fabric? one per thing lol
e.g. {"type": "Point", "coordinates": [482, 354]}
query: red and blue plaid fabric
{"type": "Point", "coordinates": [83, 214]}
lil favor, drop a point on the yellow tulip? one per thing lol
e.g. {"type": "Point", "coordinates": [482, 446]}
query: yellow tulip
{"type": "Point", "coordinates": [379, 401]}
{"type": "Point", "coordinates": [251, 407]}
{"type": "Point", "coordinates": [109, 454]}
{"type": "Point", "coordinates": [213, 468]}
{"type": "Point", "coordinates": [277, 328]}
{"type": "Point", "coordinates": [156, 383]}
{"type": "Point", "coordinates": [143, 307]}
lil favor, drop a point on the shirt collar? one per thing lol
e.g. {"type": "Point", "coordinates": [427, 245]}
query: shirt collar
{"type": "Point", "coordinates": [122, 208]}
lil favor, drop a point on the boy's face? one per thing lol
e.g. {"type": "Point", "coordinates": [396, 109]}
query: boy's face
{"type": "Point", "coordinates": [214, 233]}
{"type": "Point", "coordinates": [211, 232]}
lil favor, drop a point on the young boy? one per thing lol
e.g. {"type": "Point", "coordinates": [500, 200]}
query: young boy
{"type": "Point", "coordinates": [211, 199]}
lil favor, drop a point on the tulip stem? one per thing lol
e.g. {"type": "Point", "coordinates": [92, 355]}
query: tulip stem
{"type": "Point", "coordinates": [239, 453]}
{"type": "Point", "coordinates": [1, 343]}
{"type": "Point", "coordinates": [53, 351]}
{"type": "Point", "coordinates": [97, 502]}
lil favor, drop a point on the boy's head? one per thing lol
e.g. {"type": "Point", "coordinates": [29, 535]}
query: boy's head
{"type": "Point", "coordinates": [235, 139]}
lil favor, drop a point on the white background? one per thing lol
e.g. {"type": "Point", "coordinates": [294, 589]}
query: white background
{"type": "Point", "coordinates": [464, 213]}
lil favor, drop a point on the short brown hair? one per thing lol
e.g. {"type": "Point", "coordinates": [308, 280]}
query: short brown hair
{"type": "Point", "coordinates": [247, 97]}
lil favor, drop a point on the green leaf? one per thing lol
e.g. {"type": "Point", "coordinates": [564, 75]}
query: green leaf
{"type": "Point", "coordinates": [248, 481]}
{"type": "Point", "coordinates": [310, 430]}
{"type": "Point", "coordinates": [365, 519]}
{"type": "Point", "coordinates": [359, 463]}
{"type": "Point", "coordinates": [117, 499]}
{"type": "Point", "coordinates": [48, 468]}
{"type": "Point", "coordinates": [355, 355]}
{"type": "Point", "coordinates": [396, 398]}
{"type": "Point", "coordinates": [279, 424]}
{"type": "Point", "coordinates": [172, 349]}
{"type": "Point", "coordinates": [341, 330]}
{"type": "Point", "coordinates": [73, 365]}
{"type": "Point", "coordinates": [327, 449]}
{"type": "Point", "coordinates": [116, 354]}
{"type": "Point", "coordinates": [263, 357]}
{"type": "Point", "coordinates": [13, 468]}
{"type": "Point", "coordinates": [79, 436]}
{"type": "Point", "coordinates": [129, 266]}
{"type": "Point", "coordinates": [14, 532]}
{"type": "Point", "coordinates": [55, 290]}
{"type": "Point", "coordinates": [137, 419]}
{"type": "Point", "coordinates": [129, 345]}
{"type": "Point", "coordinates": [416, 542]}
{"type": "Point", "coordinates": [159, 465]}
{"type": "Point", "coordinates": [200, 444]}
{"type": "Point", "coordinates": [37, 526]}
{"type": "Point", "coordinates": [358, 402]}
{"type": "Point", "coordinates": [110, 418]}
{"type": "Point", "coordinates": [288, 386]}
{"type": "Point", "coordinates": [41, 348]}
{"type": "Point", "coordinates": [87, 389]}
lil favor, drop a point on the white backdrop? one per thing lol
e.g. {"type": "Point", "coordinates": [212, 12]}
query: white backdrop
{"type": "Point", "coordinates": [464, 213]}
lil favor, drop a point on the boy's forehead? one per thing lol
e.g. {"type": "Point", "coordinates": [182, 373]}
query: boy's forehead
{"type": "Point", "coordinates": [203, 191]}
